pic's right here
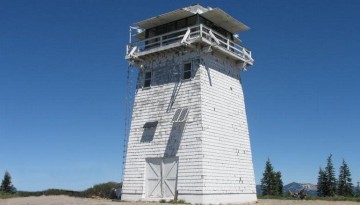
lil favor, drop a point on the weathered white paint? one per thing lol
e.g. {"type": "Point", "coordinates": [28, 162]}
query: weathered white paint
{"type": "Point", "coordinates": [227, 162]}
{"type": "Point", "coordinates": [213, 147]}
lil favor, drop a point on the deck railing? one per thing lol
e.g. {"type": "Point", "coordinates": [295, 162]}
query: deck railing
{"type": "Point", "coordinates": [193, 33]}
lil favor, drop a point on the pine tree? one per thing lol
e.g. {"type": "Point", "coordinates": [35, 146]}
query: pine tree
{"type": "Point", "coordinates": [271, 183]}
{"type": "Point", "coordinates": [357, 190]}
{"type": "Point", "coordinates": [321, 184]}
{"type": "Point", "coordinates": [267, 182]}
{"type": "Point", "coordinates": [278, 184]}
{"type": "Point", "coordinates": [6, 185]}
{"type": "Point", "coordinates": [330, 184]}
{"type": "Point", "coordinates": [344, 182]}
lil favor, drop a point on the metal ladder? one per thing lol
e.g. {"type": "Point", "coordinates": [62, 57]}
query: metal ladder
{"type": "Point", "coordinates": [129, 100]}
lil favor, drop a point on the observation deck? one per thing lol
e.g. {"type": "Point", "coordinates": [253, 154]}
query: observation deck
{"type": "Point", "coordinates": [212, 29]}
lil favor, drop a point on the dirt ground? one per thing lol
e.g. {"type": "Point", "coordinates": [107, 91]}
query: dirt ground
{"type": "Point", "coordinates": [298, 202]}
{"type": "Point", "coordinates": [66, 200]}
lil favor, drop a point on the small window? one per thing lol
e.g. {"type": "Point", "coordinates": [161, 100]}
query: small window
{"type": "Point", "coordinates": [191, 20]}
{"type": "Point", "coordinates": [187, 71]}
{"type": "Point", "coordinates": [150, 124]}
{"type": "Point", "coordinates": [180, 115]}
{"type": "Point", "coordinates": [181, 24]}
{"type": "Point", "coordinates": [147, 79]}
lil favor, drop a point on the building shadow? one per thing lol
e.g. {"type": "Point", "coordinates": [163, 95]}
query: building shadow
{"type": "Point", "coordinates": [174, 94]}
{"type": "Point", "coordinates": [174, 140]}
{"type": "Point", "coordinates": [148, 135]}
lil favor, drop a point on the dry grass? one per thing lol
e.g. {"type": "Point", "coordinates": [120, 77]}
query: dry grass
{"type": "Point", "coordinates": [304, 202]}
{"type": "Point", "coordinates": [66, 200]}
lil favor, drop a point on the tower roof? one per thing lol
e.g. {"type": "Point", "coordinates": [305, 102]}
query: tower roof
{"type": "Point", "coordinates": [215, 15]}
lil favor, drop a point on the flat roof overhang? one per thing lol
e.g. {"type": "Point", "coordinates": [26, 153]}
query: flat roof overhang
{"type": "Point", "coordinates": [224, 20]}
{"type": "Point", "coordinates": [164, 18]}
{"type": "Point", "coordinates": [216, 15]}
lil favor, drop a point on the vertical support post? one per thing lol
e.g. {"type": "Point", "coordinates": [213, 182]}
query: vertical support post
{"type": "Point", "coordinates": [201, 30]}
{"type": "Point", "coordinates": [161, 40]}
{"type": "Point", "coordinates": [130, 34]}
{"type": "Point", "coordinates": [162, 173]}
{"type": "Point", "coordinates": [128, 46]}
{"type": "Point", "coordinates": [228, 44]}
{"type": "Point", "coordinates": [176, 196]}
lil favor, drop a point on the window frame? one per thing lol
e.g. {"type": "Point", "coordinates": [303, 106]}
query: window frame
{"type": "Point", "coordinates": [184, 76]}
{"type": "Point", "coordinates": [147, 79]}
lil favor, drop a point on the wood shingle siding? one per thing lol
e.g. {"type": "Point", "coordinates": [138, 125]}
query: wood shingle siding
{"type": "Point", "coordinates": [213, 144]}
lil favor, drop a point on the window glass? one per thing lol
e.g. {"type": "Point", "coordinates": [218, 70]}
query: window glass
{"type": "Point", "coordinates": [187, 71]}
{"type": "Point", "coordinates": [172, 26]}
{"type": "Point", "coordinates": [181, 24]}
{"type": "Point", "coordinates": [151, 33]}
{"type": "Point", "coordinates": [191, 21]}
{"type": "Point", "coordinates": [147, 79]}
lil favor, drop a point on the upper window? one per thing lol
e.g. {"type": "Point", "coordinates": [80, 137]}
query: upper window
{"type": "Point", "coordinates": [171, 26]}
{"type": "Point", "coordinates": [216, 28]}
{"type": "Point", "coordinates": [183, 23]}
{"type": "Point", "coordinates": [187, 71]}
{"type": "Point", "coordinates": [147, 79]}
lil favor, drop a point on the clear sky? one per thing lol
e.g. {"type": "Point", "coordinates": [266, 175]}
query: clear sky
{"type": "Point", "coordinates": [63, 85]}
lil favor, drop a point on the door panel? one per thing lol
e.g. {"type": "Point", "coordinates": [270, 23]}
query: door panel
{"type": "Point", "coordinates": [153, 184]}
{"type": "Point", "coordinates": [161, 177]}
{"type": "Point", "coordinates": [170, 166]}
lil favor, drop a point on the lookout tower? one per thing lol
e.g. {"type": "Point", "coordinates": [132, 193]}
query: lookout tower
{"type": "Point", "coordinates": [189, 136]}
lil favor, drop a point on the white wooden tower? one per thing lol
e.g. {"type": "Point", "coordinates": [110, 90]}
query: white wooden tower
{"type": "Point", "coordinates": [189, 135]}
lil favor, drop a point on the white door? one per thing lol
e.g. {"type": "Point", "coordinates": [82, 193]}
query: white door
{"type": "Point", "coordinates": [153, 175]}
{"type": "Point", "coordinates": [161, 177]}
{"type": "Point", "coordinates": [169, 176]}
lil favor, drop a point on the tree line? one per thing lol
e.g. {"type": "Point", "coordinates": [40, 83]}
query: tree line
{"type": "Point", "coordinates": [104, 190]}
{"type": "Point", "coordinates": [327, 186]}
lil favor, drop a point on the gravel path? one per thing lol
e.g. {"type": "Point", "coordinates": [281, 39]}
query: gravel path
{"type": "Point", "coordinates": [66, 200]}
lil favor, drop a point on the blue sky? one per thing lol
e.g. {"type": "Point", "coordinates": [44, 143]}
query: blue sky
{"type": "Point", "coordinates": [63, 84]}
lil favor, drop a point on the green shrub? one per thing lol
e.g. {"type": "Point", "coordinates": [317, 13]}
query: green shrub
{"type": "Point", "coordinates": [176, 202]}
{"type": "Point", "coordinates": [6, 195]}
{"type": "Point", "coordinates": [30, 193]}
{"type": "Point", "coordinates": [179, 202]}
{"type": "Point", "coordinates": [61, 192]}
{"type": "Point", "coordinates": [105, 190]}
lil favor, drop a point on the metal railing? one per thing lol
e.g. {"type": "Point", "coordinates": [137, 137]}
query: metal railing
{"type": "Point", "coordinates": [194, 32]}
